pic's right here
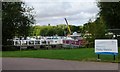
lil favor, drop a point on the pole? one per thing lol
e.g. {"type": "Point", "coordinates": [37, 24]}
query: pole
{"type": "Point", "coordinates": [98, 56]}
{"type": "Point", "coordinates": [114, 57]}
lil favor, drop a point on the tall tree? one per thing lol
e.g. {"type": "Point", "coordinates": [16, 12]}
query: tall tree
{"type": "Point", "coordinates": [110, 12]}
{"type": "Point", "coordinates": [16, 20]}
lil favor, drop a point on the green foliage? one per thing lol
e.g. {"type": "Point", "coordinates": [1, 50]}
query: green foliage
{"type": "Point", "coordinates": [51, 31]}
{"type": "Point", "coordinates": [74, 28]}
{"type": "Point", "coordinates": [96, 29]}
{"type": "Point", "coordinates": [110, 12]}
{"type": "Point", "coordinates": [59, 30]}
{"type": "Point", "coordinates": [36, 30]}
{"type": "Point", "coordinates": [16, 20]}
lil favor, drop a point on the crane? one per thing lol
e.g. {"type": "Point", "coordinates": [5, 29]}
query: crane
{"type": "Point", "coordinates": [68, 25]}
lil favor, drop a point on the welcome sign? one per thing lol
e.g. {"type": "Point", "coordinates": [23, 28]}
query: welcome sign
{"type": "Point", "coordinates": [106, 46]}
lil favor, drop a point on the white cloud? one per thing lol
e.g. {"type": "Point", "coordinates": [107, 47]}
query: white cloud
{"type": "Point", "coordinates": [77, 12]}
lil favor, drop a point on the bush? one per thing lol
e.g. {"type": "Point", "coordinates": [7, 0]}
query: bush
{"type": "Point", "coordinates": [10, 48]}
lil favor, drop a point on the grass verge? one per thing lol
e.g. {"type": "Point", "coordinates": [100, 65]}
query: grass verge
{"type": "Point", "coordinates": [82, 54]}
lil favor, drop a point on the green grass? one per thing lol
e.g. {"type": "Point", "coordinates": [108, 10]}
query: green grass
{"type": "Point", "coordinates": [83, 54]}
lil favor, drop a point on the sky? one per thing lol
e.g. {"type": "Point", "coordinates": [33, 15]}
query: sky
{"type": "Point", "coordinates": [53, 12]}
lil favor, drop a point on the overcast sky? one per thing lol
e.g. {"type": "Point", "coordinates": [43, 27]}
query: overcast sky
{"type": "Point", "coordinates": [53, 12]}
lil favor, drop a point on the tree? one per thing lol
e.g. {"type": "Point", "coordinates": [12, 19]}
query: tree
{"type": "Point", "coordinates": [94, 30]}
{"type": "Point", "coordinates": [43, 31]}
{"type": "Point", "coordinates": [63, 28]}
{"type": "Point", "coordinates": [59, 31]}
{"type": "Point", "coordinates": [51, 31]}
{"type": "Point", "coordinates": [74, 28]}
{"type": "Point", "coordinates": [110, 12]}
{"type": "Point", "coordinates": [17, 20]}
{"type": "Point", "coordinates": [36, 30]}
{"type": "Point", "coordinates": [97, 28]}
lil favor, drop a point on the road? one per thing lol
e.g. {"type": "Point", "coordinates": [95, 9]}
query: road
{"type": "Point", "coordinates": [52, 64]}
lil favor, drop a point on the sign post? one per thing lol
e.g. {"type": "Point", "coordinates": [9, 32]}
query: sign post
{"type": "Point", "coordinates": [106, 46]}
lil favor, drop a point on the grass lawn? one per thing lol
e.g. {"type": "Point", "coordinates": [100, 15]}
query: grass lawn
{"type": "Point", "coordinates": [82, 54]}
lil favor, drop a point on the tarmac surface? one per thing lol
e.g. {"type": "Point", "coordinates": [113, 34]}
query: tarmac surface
{"type": "Point", "coordinates": [52, 64]}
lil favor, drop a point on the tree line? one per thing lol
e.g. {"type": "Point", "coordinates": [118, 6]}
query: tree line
{"type": "Point", "coordinates": [60, 30]}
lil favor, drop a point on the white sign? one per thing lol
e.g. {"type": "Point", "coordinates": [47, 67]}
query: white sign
{"type": "Point", "coordinates": [106, 46]}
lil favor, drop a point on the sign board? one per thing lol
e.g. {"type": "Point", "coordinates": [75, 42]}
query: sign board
{"type": "Point", "coordinates": [106, 46]}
